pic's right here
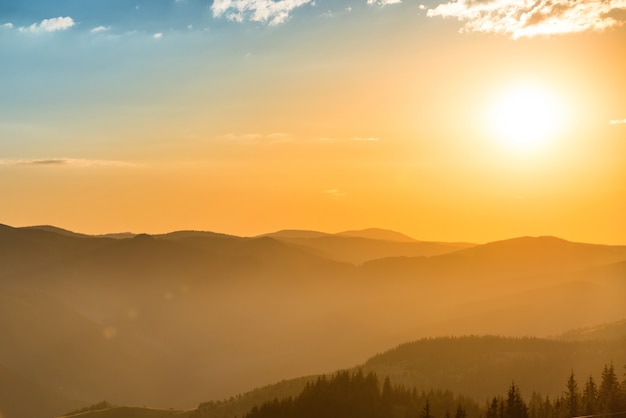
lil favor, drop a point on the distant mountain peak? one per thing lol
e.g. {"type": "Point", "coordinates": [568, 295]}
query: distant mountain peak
{"type": "Point", "coordinates": [378, 234]}
{"type": "Point", "coordinates": [295, 233]}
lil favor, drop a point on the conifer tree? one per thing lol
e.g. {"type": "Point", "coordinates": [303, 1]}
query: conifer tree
{"type": "Point", "coordinates": [426, 411]}
{"type": "Point", "coordinates": [515, 407]}
{"type": "Point", "coordinates": [609, 394]}
{"type": "Point", "coordinates": [572, 397]}
{"type": "Point", "coordinates": [590, 397]}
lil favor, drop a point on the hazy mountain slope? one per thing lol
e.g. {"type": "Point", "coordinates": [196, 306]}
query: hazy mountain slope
{"type": "Point", "coordinates": [295, 233]}
{"type": "Point", "coordinates": [357, 250]}
{"type": "Point", "coordinates": [516, 257]}
{"type": "Point", "coordinates": [378, 234]}
{"type": "Point", "coordinates": [134, 412]}
{"type": "Point", "coordinates": [75, 358]}
{"type": "Point", "coordinates": [481, 366]}
{"type": "Point", "coordinates": [609, 331]}
{"type": "Point", "coordinates": [478, 367]}
{"type": "Point", "coordinates": [20, 397]}
{"type": "Point", "coordinates": [216, 315]}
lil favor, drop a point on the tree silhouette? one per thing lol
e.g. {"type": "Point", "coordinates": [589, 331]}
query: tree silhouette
{"type": "Point", "coordinates": [572, 397]}
{"type": "Point", "coordinates": [515, 407]}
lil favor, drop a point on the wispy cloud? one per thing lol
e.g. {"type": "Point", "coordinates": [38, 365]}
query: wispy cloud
{"type": "Point", "coordinates": [528, 18]}
{"type": "Point", "coordinates": [100, 29]}
{"type": "Point", "coordinates": [66, 162]}
{"type": "Point", "coordinates": [264, 11]}
{"type": "Point", "coordinates": [334, 192]}
{"type": "Point", "coordinates": [256, 137]}
{"type": "Point", "coordinates": [383, 2]}
{"type": "Point", "coordinates": [50, 25]}
{"type": "Point", "coordinates": [367, 139]}
{"type": "Point", "coordinates": [617, 121]}
{"type": "Point", "coordinates": [8, 25]}
{"type": "Point", "coordinates": [157, 35]}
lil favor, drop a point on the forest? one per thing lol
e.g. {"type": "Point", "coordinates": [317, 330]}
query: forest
{"type": "Point", "coordinates": [354, 394]}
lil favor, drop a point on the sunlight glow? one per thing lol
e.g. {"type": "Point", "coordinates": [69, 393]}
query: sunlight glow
{"type": "Point", "coordinates": [525, 117]}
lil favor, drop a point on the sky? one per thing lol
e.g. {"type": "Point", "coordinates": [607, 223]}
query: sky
{"type": "Point", "coordinates": [458, 120]}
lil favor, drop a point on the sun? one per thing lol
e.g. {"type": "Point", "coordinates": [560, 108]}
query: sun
{"type": "Point", "coordinates": [525, 117]}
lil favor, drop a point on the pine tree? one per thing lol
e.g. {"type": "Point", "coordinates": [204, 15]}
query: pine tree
{"type": "Point", "coordinates": [572, 397]}
{"type": "Point", "coordinates": [609, 394]}
{"type": "Point", "coordinates": [590, 397]}
{"type": "Point", "coordinates": [515, 407]}
{"type": "Point", "coordinates": [492, 409]}
{"type": "Point", "coordinates": [426, 411]}
{"type": "Point", "coordinates": [460, 412]}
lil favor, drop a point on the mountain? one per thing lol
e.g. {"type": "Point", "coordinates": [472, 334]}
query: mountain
{"type": "Point", "coordinates": [175, 319]}
{"type": "Point", "coordinates": [295, 233]}
{"type": "Point", "coordinates": [357, 247]}
{"type": "Point", "coordinates": [378, 234]}
{"type": "Point", "coordinates": [605, 332]}
{"type": "Point", "coordinates": [56, 230]}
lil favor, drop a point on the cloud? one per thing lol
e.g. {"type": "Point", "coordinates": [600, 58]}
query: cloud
{"type": "Point", "coordinates": [50, 25]}
{"type": "Point", "coordinates": [368, 139]}
{"type": "Point", "coordinates": [8, 25]}
{"type": "Point", "coordinates": [334, 192]}
{"type": "Point", "coordinates": [157, 35]}
{"type": "Point", "coordinates": [383, 2]}
{"type": "Point", "coordinates": [528, 18]}
{"type": "Point", "coordinates": [272, 12]}
{"type": "Point", "coordinates": [617, 121]}
{"type": "Point", "coordinates": [67, 162]}
{"type": "Point", "coordinates": [100, 29]}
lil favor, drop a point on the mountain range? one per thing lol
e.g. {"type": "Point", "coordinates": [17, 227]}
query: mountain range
{"type": "Point", "coordinates": [177, 319]}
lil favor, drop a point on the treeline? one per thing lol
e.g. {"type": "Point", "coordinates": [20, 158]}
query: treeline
{"type": "Point", "coordinates": [358, 395]}
{"type": "Point", "coordinates": [606, 398]}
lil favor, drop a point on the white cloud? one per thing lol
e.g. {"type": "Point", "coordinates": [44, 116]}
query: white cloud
{"type": "Point", "coordinates": [100, 29]}
{"type": "Point", "coordinates": [527, 18]}
{"type": "Point", "coordinates": [617, 121]}
{"type": "Point", "coordinates": [65, 162]}
{"type": "Point", "coordinates": [157, 35]}
{"type": "Point", "coordinates": [8, 25]}
{"type": "Point", "coordinates": [50, 25]}
{"type": "Point", "coordinates": [272, 12]}
{"type": "Point", "coordinates": [383, 2]}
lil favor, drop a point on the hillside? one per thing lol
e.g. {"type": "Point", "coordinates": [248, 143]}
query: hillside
{"type": "Point", "coordinates": [178, 319]}
{"type": "Point", "coordinates": [472, 367]}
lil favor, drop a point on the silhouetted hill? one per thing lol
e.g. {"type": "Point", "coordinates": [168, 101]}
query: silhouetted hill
{"type": "Point", "coordinates": [56, 230]}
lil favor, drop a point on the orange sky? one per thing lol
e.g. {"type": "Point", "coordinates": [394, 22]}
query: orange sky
{"type": "Point", "coordinates": [333, 119]}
